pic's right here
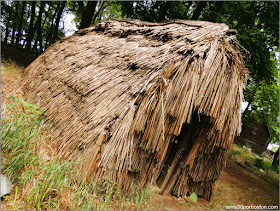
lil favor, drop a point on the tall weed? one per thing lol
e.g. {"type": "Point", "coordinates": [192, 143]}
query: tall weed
{"type": "Point", "coordinates": [50, 184]}
{"type": "Point", "coordinates": [21, 125]}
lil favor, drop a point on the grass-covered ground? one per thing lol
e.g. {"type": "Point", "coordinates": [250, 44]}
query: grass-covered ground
{"type": "Point", "coordinates": [44, 182]}
{"type": "Point", "coordinates": [260, 166]}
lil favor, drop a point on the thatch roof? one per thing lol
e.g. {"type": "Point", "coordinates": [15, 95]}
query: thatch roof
{"type": "Point", "coordinates": [120, 93]}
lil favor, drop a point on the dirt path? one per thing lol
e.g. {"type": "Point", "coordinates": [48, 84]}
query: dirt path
{"type": "Point", "coordinates": [237, 186]}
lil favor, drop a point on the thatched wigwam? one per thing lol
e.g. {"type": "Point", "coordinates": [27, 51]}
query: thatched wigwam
{"type": "Point", "coordinates": [144, 101]}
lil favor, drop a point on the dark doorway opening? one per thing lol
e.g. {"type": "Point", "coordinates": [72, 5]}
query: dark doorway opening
{"type": "Point", "coordinates": [179, 151]}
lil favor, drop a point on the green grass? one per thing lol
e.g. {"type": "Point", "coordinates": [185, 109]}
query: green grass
{"type": "Point", "coordinates": [240, 152]}
{"type": "Point", "coordinates": [241, 155]}
{"type": "Point", "coordinates": [20, 131]}
{"type": "Point", "coordinates": [50, 184]}
{"type": "Point", "coordinates": [263, 164]}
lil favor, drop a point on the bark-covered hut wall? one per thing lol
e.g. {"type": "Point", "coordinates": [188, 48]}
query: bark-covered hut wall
{"type": "Point", "coordinates": [256, 136]}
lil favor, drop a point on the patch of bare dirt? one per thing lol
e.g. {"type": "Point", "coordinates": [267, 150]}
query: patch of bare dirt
{"type": "Point", "coordinates": [10, 87]}
{"type": "Point", "coordinates": [237, 186]}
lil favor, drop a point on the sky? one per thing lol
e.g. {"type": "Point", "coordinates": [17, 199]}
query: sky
{"type": "Point", "coordinates": [68, 23]}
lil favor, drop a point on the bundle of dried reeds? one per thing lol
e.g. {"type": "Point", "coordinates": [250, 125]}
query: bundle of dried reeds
{"type": "Point", "coordinates": [144, 101]}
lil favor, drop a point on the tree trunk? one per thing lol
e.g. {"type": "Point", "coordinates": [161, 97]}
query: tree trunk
{"type": "Point", "coordinates": [102, 7]}
{"type": "Point", "coordinates": [15, 22]}
{"type": "Point", "coordinates": [198, 9]}
{"type": "Point", "coordinates": [35, 46]}
{"type": "Point", "coordinates": [39, 35]}
{"type": "Point", "coordinates": [88, 14]}
{"type": "Point", "coordinates": [55, 35]}
{"type": "Point", "coordinates": [37, 27]}
{"type": "Point", "coordinates": [275, 161]}
{"type": "Point", "coordinates": [6, 35]}
{"type": "Point", "coordinates": [214, 15]}
{"type": "Point", "coordinates": [20, 23]}
{"type": "Point", "coordinates": [7, 30]}
{"type": "Point", "coordinates": [31, 28]}
{"type": "Point", "coordinates": [250, 102]}
{"type": "Point", "coordinates": [49, 35]}
{"type": "Point", "coordinates": [46, 17]}
{"type": "Point", "coordinates": [247, 108]}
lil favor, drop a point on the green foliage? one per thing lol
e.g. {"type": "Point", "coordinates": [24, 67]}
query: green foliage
{"type": "Point", "coordinates": [140, 198]}
{"type": "Point", "coordinates": [55, 176]}
{"type": "Point", "coordinates": [276, 168]}
{"type": "Point", "coordinates": [236, 152]}
{"type": "Point", "coordinates": [14, 202]}
{"type": "Point", "coordinates": [264, 106]}
{"type": "Point", "coordinates": [253, 163]}
{"type": "Point", "coordinates": [156, 11]}
{"type": "Point", "coordinates": [193, 197]}
{"type": "Point", "coordinates": [44, 33]}
{"type": "Point", "coordinates": [106, 194]}
{"type": "Point", "coordinates": [77, 8]}
{"type": "Point", "coordinates": [107, 10]}
{"type": "Point", "coordinates": [111, 11]}
{"type": "Point", "coordinates": [263, 164]}
{"type": "Point", "coordinates": [20, 132]}
{"type": "Point", "coordinates": [275, 149]}
{"type": "Point", "coordinates": [259, 163]}
{"type": "Point", "coordinates": [239, 151]}
{"type": "Point", "coordinates": [32, 109]}
{"type": "Point", "coordinates": [248, 146]}
{"type": "Point", "coordinates": [85, 196]}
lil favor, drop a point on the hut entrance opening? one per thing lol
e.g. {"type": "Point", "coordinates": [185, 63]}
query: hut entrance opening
{"type": "Point", "coordinates": [181, 152]}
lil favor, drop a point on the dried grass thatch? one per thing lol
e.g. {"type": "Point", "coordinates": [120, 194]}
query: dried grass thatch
{"type": "Point", "coordinates": [144, 101]}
